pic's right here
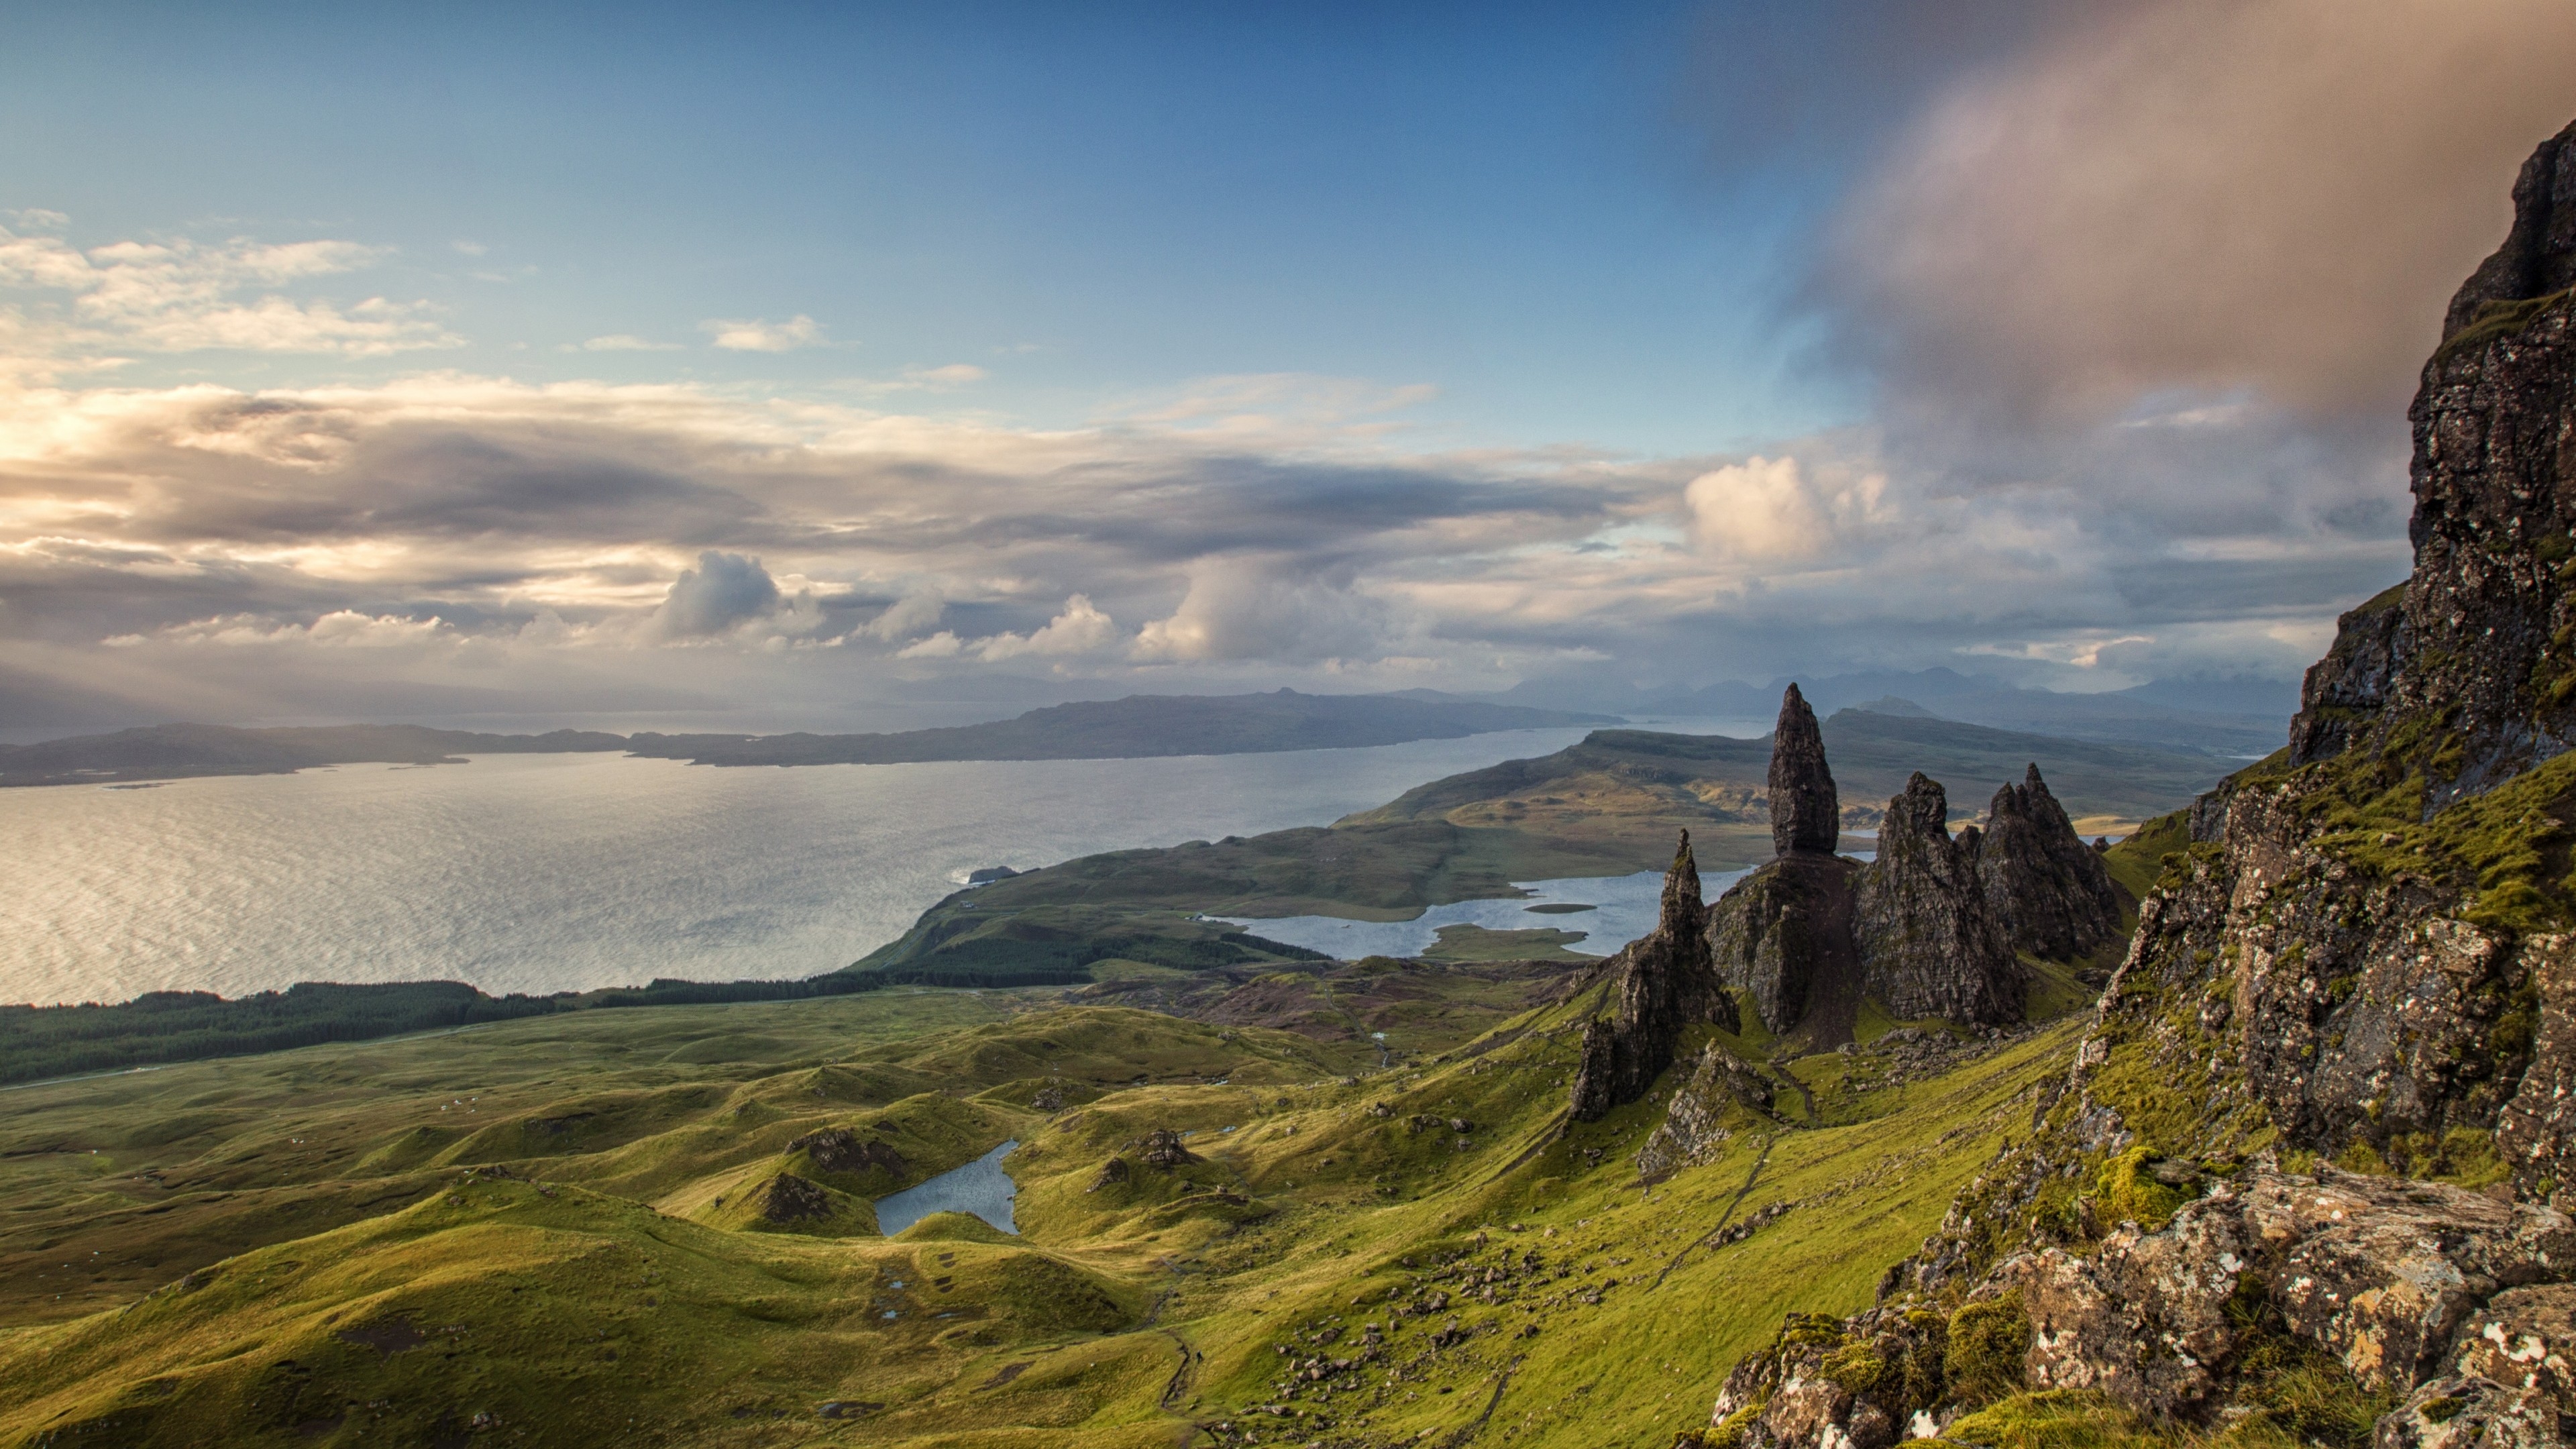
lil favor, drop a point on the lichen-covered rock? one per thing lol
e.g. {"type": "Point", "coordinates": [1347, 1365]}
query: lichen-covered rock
{"type": "Point", "coordinates": [2381, 1272]}
{"type": "Point", "coordinates": [2470, 1413]}
{"type": "Point", "coordinates": [1825, 1383]}
{"type": "Point", "coordinates": [2144, 1318]}
{"type": "Point", "coordinates": [2046, 890]}
{"type": "Point", "coordinates": [1163, 1149]}
{"type": "Point", "coordinates": [1928, 946]}
{"type": "Point", "coordinates": [2525, 1340]}
{"type": "Point", "coordinates": [1805, 813]}
{"type": "Point", "coordinates": [1663, 983]}
{"type": "Point", "coordinates": [2536, 1130]}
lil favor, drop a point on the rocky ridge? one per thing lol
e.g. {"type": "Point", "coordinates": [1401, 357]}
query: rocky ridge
{"type": "Point", "coordinates": [2360, 956]}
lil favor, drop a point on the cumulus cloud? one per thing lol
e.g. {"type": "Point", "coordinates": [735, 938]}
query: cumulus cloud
{"type": "Point", "coordinates": [1771, 509]}
{"type": "Point", "coordinates": [1081, 629]}
{"type": "Point", "coordinates": [2275, 195]}
{"type": "Point", "coordinates": [723, 591]}
{"type": "Point", "coordinates": [1238, 609]}
{"type": "Point", "coordinates": [761, 335]}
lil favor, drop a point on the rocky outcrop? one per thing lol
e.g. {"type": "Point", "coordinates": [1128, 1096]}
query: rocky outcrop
{"type": "Point", "coordinates": [839, 1150]}
{"type": "Point", "coordinates": [1164, 1149]}
{"type": "Point", "coordinates": [2404, 1284]}
{"type": "Point", "coordinates": [1928, 945]}
{"type": "Point", "coordinates": [787, 1198]}
{"type": "Point", "coordinates": [1720, 1087]}
{"type": "Point", "coordinates": [1805, 813]}
{"type": "Point", "coordinates": [2046, 890]}
{"type": "Point", "coordinates": [1662, 983]}
{"type": "Point", "coordinates": [2478, 654]}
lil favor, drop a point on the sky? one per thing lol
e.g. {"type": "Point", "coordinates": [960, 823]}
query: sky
{"type": "Point", "coordinates": [850, 366]}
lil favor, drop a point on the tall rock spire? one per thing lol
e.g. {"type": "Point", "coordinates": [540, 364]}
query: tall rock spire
{"type": "Point", "coordinates": [1665, 983]}
{"type": "Point", "coordinates": [1805, 813]}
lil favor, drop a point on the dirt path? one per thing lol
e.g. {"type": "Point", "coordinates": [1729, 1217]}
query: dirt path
{"type": "Point", "coordinates": [1470, 1430]}
{"type": "Point", "coordinates": [1722, 1218]}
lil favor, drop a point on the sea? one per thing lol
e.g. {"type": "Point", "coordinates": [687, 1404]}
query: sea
{"type": "Point", "coordinates": [543, 873]}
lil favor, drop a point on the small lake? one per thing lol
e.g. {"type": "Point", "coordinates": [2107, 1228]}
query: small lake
{"type": "Point", "coordinates": [1623, 907]}
{"type": "Point", "coordinates": [980, 1187]}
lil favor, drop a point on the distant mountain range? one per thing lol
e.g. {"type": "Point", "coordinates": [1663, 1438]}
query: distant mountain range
{"type": "Point", "coordinates": [2238, 717]}
{"type": "Point", "coordinates": [1134, 727]}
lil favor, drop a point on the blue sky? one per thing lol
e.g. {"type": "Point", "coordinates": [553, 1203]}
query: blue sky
{"type": "Point", "coordinates": [753, 364]}
{"type": "Point", "coordinates": [1092, 204]}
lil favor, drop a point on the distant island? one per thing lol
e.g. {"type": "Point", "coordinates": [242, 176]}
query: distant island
{"type": "Point", "coordinates": [1139, 726]}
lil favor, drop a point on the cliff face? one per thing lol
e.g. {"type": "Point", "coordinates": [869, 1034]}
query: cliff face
{"type": "Point", "coordinates": [1929, 946]}
{"type": "Point", "coordinates": [2364, 958]}
{"type": "Point", "coordinates": [2470, 674]}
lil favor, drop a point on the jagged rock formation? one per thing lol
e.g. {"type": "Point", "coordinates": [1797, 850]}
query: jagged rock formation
{"type": "Point", "coordinates": [2365, 954]}
{"type": "Point", "coordinates": [1784, 931]}
{"type": "Point", "coordinates": [2045, 888]}
{"type": "Point", "coordinates": [788, 1199]}
{"type": "Point", "coordinates": [1664, 983]}
{"type": "Point", "coordinates": [2479, 651]}
{"type": "Point", "coordinates": [1805, 813]}
{"type": "Point", "coordinates": [1928, 946]}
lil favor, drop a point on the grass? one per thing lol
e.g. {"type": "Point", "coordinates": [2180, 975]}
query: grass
{"type": "Point", "coordinates": [303, 1248]}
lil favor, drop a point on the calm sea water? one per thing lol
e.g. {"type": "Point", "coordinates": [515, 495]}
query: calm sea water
{"type": "Point", "coordinates": [567, 872]}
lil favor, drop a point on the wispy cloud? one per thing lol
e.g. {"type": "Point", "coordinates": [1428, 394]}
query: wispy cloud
{"type": "Point", "coordinates": [626, 342]}
{"type": "Point", "coordinates": [762, 335]}
{"type": "Point", "coordinates": [184, 296]}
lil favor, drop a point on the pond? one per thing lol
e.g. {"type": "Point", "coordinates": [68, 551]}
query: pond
{"type": "Point", "coordinates": [980, 1187]}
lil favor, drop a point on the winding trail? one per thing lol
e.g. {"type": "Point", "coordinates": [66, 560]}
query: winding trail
{"type": "Point", "coordinates": [1472, 1427]}
{"type": "Point", "coordinates": [1722, 1218]}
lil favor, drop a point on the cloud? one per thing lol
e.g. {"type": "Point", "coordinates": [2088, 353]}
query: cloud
{"type": "Point", "coordinates": [1770, 509]}
{"type": "Point", "coordinates": [626, 342]}
{"type": "Point", "coordinates": [955, 374]}
{"type": "Point", "coordinates": [910, 615]}
{"type": "Point", "coordinates": [762, 335]}
{"type": "Point", "coordinates": [182, 296]}
{"type": "Point", "coordinates": [2203, 195]}
{"type": "Point", "coordinates": [1080, 629]}
{"type": "Point", "coordinates": [724, 590]}
{"type": "Point", "coordinates": [339, 629]}
{"type": "Point", "coordinates": [1243, 609]}
{"type": "Point", "coordinates": [942, 645]}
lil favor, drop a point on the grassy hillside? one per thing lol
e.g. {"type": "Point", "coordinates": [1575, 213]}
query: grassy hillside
{"type": "Point", "coordinates": [536, 1231]}
{"type": "Point", "coordinates": [1610, 805]}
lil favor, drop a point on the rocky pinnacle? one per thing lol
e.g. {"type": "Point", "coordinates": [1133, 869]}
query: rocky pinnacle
{"type": "Point", "coordinates": [1805, 814]}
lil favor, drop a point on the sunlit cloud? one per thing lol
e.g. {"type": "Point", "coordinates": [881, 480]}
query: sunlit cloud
{"type": "Point", "coordinates": [761, 335]}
